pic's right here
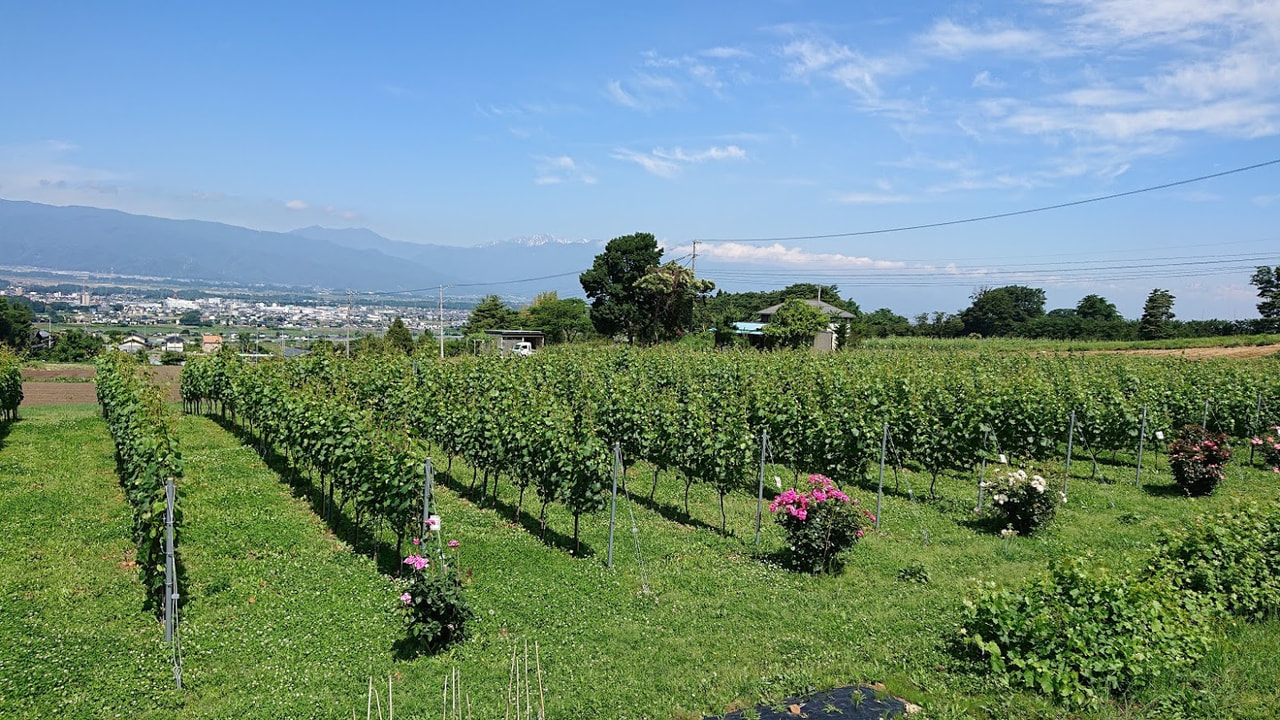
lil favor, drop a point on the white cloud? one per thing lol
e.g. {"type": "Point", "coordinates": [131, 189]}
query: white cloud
{"type": "Point", "coordinates": [778, 254]}
{"type": "Point", "coordinates": [620, 96]}
{"type": "Point", "coordinates": [667, 163]}
{"type": "Point", "coordinates": [296, 205]}
{"type": "Point", "coordinates": [858, 198]}
{"type": "Point", "coordinates": [560, 169]}
{"type": "Point", "coordinates": [985, 80]}
{"type": "Point", "coordinates": [725, 53]}
{"type": "Point", "coordinates": [949, 39]}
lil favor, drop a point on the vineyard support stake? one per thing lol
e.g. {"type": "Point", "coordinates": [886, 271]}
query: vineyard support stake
{"type": "Point", "coordinates": [764, 443]}
{"type": "Point", "coordinates": [1142, 436]}
{"type": "Point", "coordinates": [1071, 435]}
{"type": "Point", "coordinates": [982, 473]}
{"type": "Point", "coordinates": [884, 444]}
{"type": "Point", "coordinates": [428, 479]}
{"type": "Point", "coordinates": [613, 502]}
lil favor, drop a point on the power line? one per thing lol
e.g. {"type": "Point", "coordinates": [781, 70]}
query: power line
{"type": "Point", "coordinates": [997, 216]}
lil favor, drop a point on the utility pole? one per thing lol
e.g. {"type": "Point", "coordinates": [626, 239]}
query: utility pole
{"type": "Point", "coordinates": [693, 263]}
{"type": "Point", "coordinates": [442, 322]}
{"type": "Point", "coordinates": [349, 300]}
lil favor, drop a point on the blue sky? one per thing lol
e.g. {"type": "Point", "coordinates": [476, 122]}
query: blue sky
{"type": "Point", "coordinates": [464, 123]}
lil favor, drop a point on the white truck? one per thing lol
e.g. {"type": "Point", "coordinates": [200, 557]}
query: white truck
{"type": "Point", "coordinates": [523, 349]}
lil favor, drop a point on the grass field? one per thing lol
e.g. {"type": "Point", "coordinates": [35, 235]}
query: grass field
{"type": "Point", "coordinates": [284, 620]}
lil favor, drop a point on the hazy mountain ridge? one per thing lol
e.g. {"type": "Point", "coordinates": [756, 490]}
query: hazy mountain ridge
{"type": "Point", "coordinates": [89, 239]}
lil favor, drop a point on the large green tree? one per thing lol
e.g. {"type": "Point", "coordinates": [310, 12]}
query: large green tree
{"type": "Point", "coordinates": [617, 306]}
{"type": "Point", "coordinates": [560, 320]}
{"type": "Point", "coordinates": [399, 337]}
{"type": "Point", "coordinates": [1096, 307]}
{"type": "Point", "coordinates": [490, 314]}
{"type": "Point", "coordinates": [15, 324]}
{"type": "Point", "coordinates": [1156, 314]}
{"type": "Point", "coordinates": [795, 324]}
{"type": "Point", "coordinates": [1267, 280]}
{"type": "Point", "coordinates": [1001, 311]}
{"type": "Point", "coordinates": [669, 293]}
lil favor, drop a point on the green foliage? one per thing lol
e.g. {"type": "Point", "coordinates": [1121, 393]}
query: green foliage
{"type": "Point", "coordinates": [73, 345]}
{"type": "Point", "coordinates": [191, 318]}
{"type": "Point", "coordinates": [1232, 557]}
{"type": "Point", "coordinates": [15, 324]}
{"type": "Point", "coordinates": [1082, 634]}
{"type": "Point", "coordinates": [560, 321]}
{"type": "Point", "coordinates": [398, 337]}
{"type": "Point", "coordinates": [618, 307]}
{"type": "Point", "coordinates": [1003, 310]}
{"type": "Point", "coordinates": [146, 457]}
{"type": "Point", "coordinates": [795, 324]}
{"type": "Point", "coordinates": [490, 314]}
{"type": "Point", "coordinates": [669, 293]}
{"type": "Point", "coordinates": [1267, 280]}
{"type": "Point", "coordinates": [1198, 458]}
{"type": "Point", "coordinates": [744, 306]}
{"type": "Point", "coordinates": [1023, 503]}
{"type": "Point", "coordinates": [10, 384]}
{"type": "Point", "coordinates": [1156, 314]}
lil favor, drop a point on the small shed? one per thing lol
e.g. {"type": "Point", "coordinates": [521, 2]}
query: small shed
{"type": "Point", "coordinates": [506, 339]}
{"type": "Point", "coordinates": [211, 343]}
{"type": "Point", "coordinates": [132, 344]}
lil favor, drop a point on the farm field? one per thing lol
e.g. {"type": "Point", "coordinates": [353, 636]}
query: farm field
{"type": "Point", "coordinates": [284, 620]}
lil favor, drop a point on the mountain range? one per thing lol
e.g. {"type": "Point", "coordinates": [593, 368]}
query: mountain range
{"type": "Point", "coordinates": [101, 241]}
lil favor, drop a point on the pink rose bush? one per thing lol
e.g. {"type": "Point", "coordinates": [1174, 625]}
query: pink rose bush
{"type": "Point", "coordinates": [435, 612]}
{"type": "Point", "coordinates": [821, 522]}
{"type": "Point", "coordinates": [1270, 447]}
{"type": "Point", "coordinates": [1198, 458]}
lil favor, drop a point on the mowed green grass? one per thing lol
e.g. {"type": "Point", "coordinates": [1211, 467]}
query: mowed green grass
{"type": "Point", "coordinates": [284, 620]}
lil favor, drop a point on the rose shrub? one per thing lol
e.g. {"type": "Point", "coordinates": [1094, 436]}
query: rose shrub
{"type": "Point", "coordinates": [1024, 503]}
{"type": "Point", "coordinates": [821, 523]}
{"type": "Point", "coordinates": [1198, 457]}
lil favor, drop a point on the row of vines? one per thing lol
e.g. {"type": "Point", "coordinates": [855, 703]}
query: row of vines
{"type": "Point", "coordinates": [549, 422]}
{"type": "Point", "coordinates": [146, 457]}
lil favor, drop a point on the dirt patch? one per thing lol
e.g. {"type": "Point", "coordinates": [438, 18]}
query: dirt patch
{"type": "Point", "coordinates": [58, 393]}
{"type": "Point", "coordinates": [1243, 352]}
{"type": "Point", "coordinates": [75, 372]}
{"type": "Point", "coordinates": [41, 386]}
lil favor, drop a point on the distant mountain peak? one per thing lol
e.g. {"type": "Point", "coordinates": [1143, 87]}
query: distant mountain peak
{"type": "Point", "coordinates": [537, 240]}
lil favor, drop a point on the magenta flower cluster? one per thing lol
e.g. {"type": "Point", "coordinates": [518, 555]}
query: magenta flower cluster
{"type": "Point", "coordinates": [797, 504]}
{"type": "Point", "coordinates": [417, 562]}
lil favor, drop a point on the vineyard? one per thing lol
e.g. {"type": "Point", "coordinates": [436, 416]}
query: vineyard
{"type": "Point", "coordinates": [549, 423]}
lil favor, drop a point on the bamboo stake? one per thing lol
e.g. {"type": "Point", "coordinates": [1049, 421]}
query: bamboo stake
{"type": "Point", "coordinates": [444, 700]}
{"type": "Point", "coordinates": [511, 678]}
{"type": "Point", "coordinates": [391, 713]}
{"type": "Point", "coordinates": [368, 711]}
{"type": "Point", "coordinates": [528, 705]}
{"type": "Point", "coordinates": [542, 703]}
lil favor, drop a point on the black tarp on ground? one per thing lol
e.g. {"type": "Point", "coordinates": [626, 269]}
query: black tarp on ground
{"type": "Point", "coordinates": [847, 703]}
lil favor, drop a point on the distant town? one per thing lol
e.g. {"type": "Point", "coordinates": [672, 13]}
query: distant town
{"type": "Point", "coordinates": [224, 315]}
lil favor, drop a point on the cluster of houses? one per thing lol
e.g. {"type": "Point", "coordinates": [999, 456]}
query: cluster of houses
{"type": "Point", "coordinates": [133, 343]}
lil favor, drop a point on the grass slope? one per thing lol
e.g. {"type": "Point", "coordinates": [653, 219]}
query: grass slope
{"type": "Point", "coordinates": [284, 621]}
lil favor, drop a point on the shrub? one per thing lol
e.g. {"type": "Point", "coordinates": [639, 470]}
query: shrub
{"type": "Point", "coordinates": [1080, 635]}
{"type": "Point", "coordinates": [435, 612]}
{"type": "Point", "coordinates": [1197, 457]}
{"type": "Point", "coordinates": [1270, 446]}
{"type": "Point", "coordinates": [820, 523]}
{"type": "Point", "coordinates": [1232, 557]}
{"type": "Point", "coordinates": [1024, 503]}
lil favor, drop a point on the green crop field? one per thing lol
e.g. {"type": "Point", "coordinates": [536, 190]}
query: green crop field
{"type": "Point", "coordinates": [287, 616]}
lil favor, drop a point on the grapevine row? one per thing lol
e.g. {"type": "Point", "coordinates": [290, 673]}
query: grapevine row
{"type": "Point", "coordinates": [146, 457]}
